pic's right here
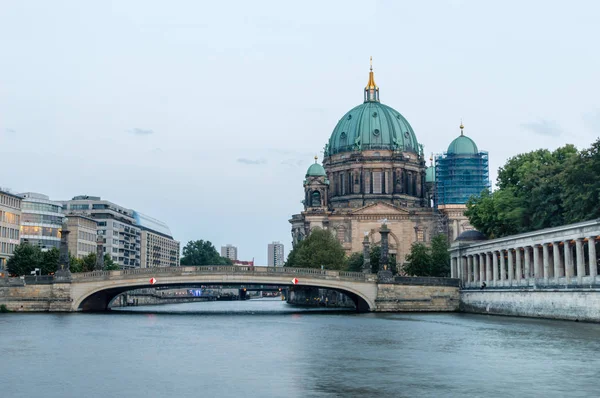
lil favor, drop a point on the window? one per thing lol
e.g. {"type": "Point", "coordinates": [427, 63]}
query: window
{"type": "Point", "coordinates": [377, 182]}
{"type": "Point", "coordinates": [80, 207]}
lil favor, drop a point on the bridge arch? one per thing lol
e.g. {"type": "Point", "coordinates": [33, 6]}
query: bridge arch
{"type": "Point", "coordinates": [94, 291]}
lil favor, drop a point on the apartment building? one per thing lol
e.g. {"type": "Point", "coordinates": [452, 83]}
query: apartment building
{"type": "Point", "coordinates": [83, 235]}
{"type": "Point", "coordinates": [275, 254]}
{"type": "Point", "coordinates": [230, 252]}
{"type": "Point", "coordinates": [10, 221]}
{"type": "Point", "coordinates": [158, 248]}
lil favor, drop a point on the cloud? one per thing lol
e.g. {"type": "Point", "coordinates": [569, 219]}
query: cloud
{"type": "Point", "coordinates": [139, 131]}
{"type": "Point", "coordinates": [251, 161]}
{"type": "Point", "coordinates": [592, 120]}
{"type": "Point", "coordinates": [295, 162]}
{"type": "Point", "coordinates": [11, 131]}
{"type": "Point", "coordinates": [545, 127]}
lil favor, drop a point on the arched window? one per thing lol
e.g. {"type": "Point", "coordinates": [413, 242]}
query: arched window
{"type": "Point", "coordinates": [315, 199]}
{"type": "Point", "coordinates": [340, 233]}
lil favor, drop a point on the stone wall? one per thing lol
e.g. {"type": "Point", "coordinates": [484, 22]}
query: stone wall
{"type": "Point", "coordinates": [315, 297]}
{"type": "Point", "coordinates": [36, 297]}
{"type": "Point", "coordinates": [572, 304]}
{"type": "Point", "coordinates": [418, 295]}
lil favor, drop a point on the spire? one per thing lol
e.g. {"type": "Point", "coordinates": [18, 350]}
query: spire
{"type": "Point", "coordinates": [461, 127]}
{"type": "Point", "coordinates": [371, 90]}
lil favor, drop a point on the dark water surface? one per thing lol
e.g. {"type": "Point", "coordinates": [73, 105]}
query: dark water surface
{"type": "Point", "coordinates": [264, 348]}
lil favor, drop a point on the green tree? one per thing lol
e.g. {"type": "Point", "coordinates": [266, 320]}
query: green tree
{"type": "Point", "coordinates": [201, 252]}
{"type": "Point", "coordinates": [49, 262]}
{"type": "Point", "coordinates": [109, 264]}
{"type": "Point", "coordinates": [419, 261]}
{"type": "Point", "coordinates": [375, 258]}
{"type": "Point", "coordinates": [320, 248]}
{"type": "Point", "coordinates": [25, 259]}
{"type": "Point", "coordinates": [580, 183]}
{"type": "Point", "coordinates": [75, 264]}
{"type": "Point", "coordinates": [355, 262]}
{"type": "Point", "coordinates": [440, 256]}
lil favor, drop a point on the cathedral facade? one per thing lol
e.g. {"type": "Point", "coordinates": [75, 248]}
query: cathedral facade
{"type": "Point", "coordinates": [373, 169]}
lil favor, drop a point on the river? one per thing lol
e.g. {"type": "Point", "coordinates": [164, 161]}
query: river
{"type": "Point", "coordinates": [265, 348]}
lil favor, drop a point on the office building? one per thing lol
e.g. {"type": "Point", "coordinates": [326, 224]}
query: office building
{"type": "Point", "coordinates": [10, 221]}
{"type": "Point", "coordinates": [83, 235]}
{"type": "Point", "coordinates": [158, 248]}
{"type": "Point", "coordinates": [41, 220]}
{"type": "Point", "coordinates": [275, 254]}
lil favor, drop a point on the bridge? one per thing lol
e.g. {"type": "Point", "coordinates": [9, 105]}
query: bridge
{"type": "Point", "coordinates": [94, 291]}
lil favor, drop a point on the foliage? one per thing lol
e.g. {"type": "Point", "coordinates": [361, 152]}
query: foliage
{"type": "Point", "coordinates": [355, 262]}
{"type": "Point", "coordinates": [375, 258]}
{"type": "Point", "coordinates": [88, 263]}
{"type": "Point", "coordinates": [27, 258]}
{"type": "Point", "coordinates": [109, 264]}
{"type": "Point", "coordinates": [201, 252]}
{"type": "Point", "coordinates": [75, 264]}
{"type": "Point", "coordinates": [320, 248]}
{"type": "Point", "coordinates": [431, 260]}
{"type": "Point", "coordinates": [3, 309]}
{"type": "Point", "coordinates": [540, 189]}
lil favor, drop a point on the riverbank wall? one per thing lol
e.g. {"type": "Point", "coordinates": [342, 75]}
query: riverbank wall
{"type": "Point", "coordinates": [418, 294]}
{"type": "Point", "coordinates": [568, 304]}
{"type": "Point", "coordinates": [315, 297]}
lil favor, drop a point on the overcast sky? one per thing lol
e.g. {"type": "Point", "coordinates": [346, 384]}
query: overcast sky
{"type": "Point", "coordinates": [206, 115]}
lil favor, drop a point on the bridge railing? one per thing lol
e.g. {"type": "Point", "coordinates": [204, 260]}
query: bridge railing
{"type": "Point", "coordinates": [222, 269]}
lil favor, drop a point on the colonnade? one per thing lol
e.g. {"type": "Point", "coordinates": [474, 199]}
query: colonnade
{"type": "Point", "coordinates": [549, 262]}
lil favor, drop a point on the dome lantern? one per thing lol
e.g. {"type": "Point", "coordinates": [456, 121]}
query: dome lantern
{"type": "Point", "coordinates": [371, 90]}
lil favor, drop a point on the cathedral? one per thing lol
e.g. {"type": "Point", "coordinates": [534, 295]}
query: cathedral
{"type": "Point", "coordinates": [374, 169]}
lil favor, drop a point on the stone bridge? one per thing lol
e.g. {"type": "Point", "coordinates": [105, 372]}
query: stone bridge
{"type": "Point", "coordinates": [94, 291]}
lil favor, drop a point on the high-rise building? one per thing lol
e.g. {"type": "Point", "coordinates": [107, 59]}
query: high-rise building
{"type": "Point", "coordinates": [229, 251]}
{"type": "Point", "coordinates": [83, 235]}
{"type": "Point", "coordinates": [159, 249]}
{"type": "Point", "coordinates": [275, 254]}
{"type": "Point", "coordinates": [10, 221]}
{"type": "Point", "coordinates": [117, 225]}
{"type": "Point", "coordinates": [41, 220]}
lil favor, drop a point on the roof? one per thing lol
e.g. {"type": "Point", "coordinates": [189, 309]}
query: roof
{"type": "Point", "coordinates": [471, 235]}
{"type": "Point", "coordinates": [462, 145]}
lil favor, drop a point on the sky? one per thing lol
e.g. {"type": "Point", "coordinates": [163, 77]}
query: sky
{"type": "Point", "coordinates": [206, 115]}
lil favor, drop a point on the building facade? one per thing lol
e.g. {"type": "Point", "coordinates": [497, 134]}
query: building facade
{"type": "Point", "coordinates": [275, 254]}
{"type": "Point", "coordinates": [158, 248]}
{"type": "Point", "coordinates": [230, 252]}
{"type": "Point", "coordinates": [41, 220]}
{"type": "Point", "coordinates": [83, 234]}
{"type": "Point", "coordinates": [10, 223]}
{"type": "Point", "coordinates": [117, 225]}
{"type": "Point", "coordinates": [373, 169]}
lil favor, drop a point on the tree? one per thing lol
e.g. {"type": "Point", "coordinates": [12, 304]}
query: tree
{"type": "Point", "coordinates": [440, 256]}
{"type": "Point", "coordinates": [75, 264]}
{"type": "Point", "coordinates": [419, 260]}
{"type": "Point", "coordinates": [109, 264]}
{"type": "Point", "coordinates": [201, 252]}
{"type": "Point", "coordinates": [355, 262]}
{"type": "Point", "coordinates": [375, 258]}
{"type": "Point", "coordinates": [49, 262]}
{"type": "Point", "coordinates": [25, 259]}
{"type": "Point", "coordinates": [320, 248]}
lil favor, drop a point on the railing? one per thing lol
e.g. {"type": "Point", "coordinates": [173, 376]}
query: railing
{"type": "Point", "coordinates": [223, 269]}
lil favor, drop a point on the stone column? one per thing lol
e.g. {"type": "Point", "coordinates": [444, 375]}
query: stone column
{"type": "Point", "coordinates": [481, 267]}
{"type": "Point", "coordinates": [463, 269]}
{"type": "Point", "coordinates": [488, 268]}
{"type": "Point", "coordinates": [384, 274]}
{"type": "Point", "coordinates": [452, 267]}
{"type": "Point", "coordinates": [469, 269]}
{"type": "Point", "coordinates": [536, 261]}
{"type": "Point", "coordinates": [64, 266]}
{"type": "Point", "coordinates": [527, 255]}
{"type": "Point", "coordinates": [475, 268]}
{"type": "Point", "coordinates": [495, 266]}
{"type": "Point", "coordinates": [502, 266]}
{"type": "Point", "coordinates": [99, 266]}
{"type": "Point", "coordinates": [580, 259]}
{"type": "Point", "coordinates": [511, 270]}
{"type": "Point", "coordinates": [592, 256]}
{"type": "Point", "coordinates": [546, 258]}
{"type": "Point", "coordinates": [366, 268]}
{"type": "Point", "coordinates": [519, 268]}
{"type": "Point", "coordinates": [568, 261]}
{"type": "Point", "coordinates": [558, 267]}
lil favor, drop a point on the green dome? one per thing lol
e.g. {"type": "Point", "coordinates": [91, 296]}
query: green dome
{"type": "Point", "coordinates": [430, 174]}
{"type": "Point", "coordinates": [316, 170]}
{"type": "Point", "coordinates": [372, 125]}
{"type": "Point", "coordinates": [462, 145]}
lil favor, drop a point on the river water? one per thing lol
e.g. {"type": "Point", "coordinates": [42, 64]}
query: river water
{"type": "Point", "coordinates": [265, 348]}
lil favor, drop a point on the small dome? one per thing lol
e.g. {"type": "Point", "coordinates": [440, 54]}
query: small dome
{"type": "Point", "coordinates": [462, 145]}
{"type": "Point", "coordinates": [430, 174]}
{"type": "Point", "coordinates": [316, 170]}
{"type": "Point", "coordinates": [471, 235]}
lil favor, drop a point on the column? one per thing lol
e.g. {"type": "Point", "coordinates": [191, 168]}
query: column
{"type": "Point", "coordinates": [519, 268]}
{"type": "Point", "coordinates": [469, 269]}
{"type": "Point", "coordinates": [580, 259]}
{"type": "Point", "coordinates": [453, 267]}
{"type": "Point", "coordinates": [463, 269]}
{"type": "Point", "coordinates": [536, 261]}
{"type": "Point", "coordinates": [568, 261]}
{"type": "Point", "coordinates": [488, 268]}
{"type": "Point", "coordinates": [559, 270]}
{"type": "Point", "coordinates": [527, 255]}
{"type": "Point", "coordinates": [502, 266]}
{"type": "Point", "coordinates": [511, 270]}
{"type": "Point", "coordinates": [495, 266]}
{"type": "Point", "coordinates": [481, 267]}
{"type": "Point", "coordinates": [592, 256]}
{"type": "Point", "coordinates": [546, 258]}
{"type": "Point", "coordinates": [475, 268]}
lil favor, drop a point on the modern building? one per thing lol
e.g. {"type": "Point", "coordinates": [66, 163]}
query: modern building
{"type": "Point", "coordinates": [10, 222]}
{"type": "Point", "coordinates": [41, 220]}
{"type": "Point", "coordinates": [83, 234]}
{"type": "Point", "coordinates": [275, 254]}
{"type": "Point", "coordinates": [117, 225]}
{"type": "Point", "coordinates": [230, 252]}
{"type": "Point", "coordinates": [158, 248]}
{"type": "Point", "coordinates": [459, 173]}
